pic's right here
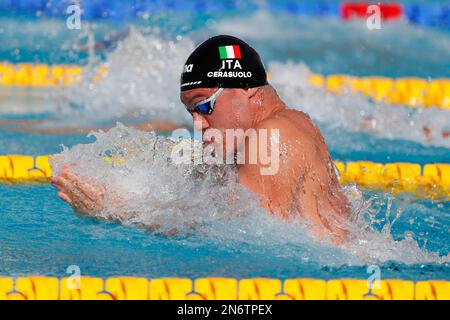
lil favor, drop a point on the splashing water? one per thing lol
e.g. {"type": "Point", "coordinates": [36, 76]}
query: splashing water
{"type": "Point", "coordinates": [355, 112]}
{"type": "Point", "coordinates": [207, 204]}
{"type": "Point", "coordinates": [148, 183]}
{"type": "Point", "coordinates": [143, 82]}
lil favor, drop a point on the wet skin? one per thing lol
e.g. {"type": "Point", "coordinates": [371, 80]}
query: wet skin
{"type": "Point", "coordinates": [305, 184]}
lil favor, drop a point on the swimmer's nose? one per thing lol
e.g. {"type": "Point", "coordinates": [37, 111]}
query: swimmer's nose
{"type": "Point", "coordinates": [200, 122]}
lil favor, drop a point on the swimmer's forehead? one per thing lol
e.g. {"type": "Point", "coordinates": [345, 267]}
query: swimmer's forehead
{"type": "Point", "coordinates": [195, 95]}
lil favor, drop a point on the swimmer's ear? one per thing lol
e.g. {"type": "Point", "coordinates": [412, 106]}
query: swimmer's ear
{"type": "Point", "coordinates": [255, 94]}
{"type": "Point", "coordinates": [251, 91]}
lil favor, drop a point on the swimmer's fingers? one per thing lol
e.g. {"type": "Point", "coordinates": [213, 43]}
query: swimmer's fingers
{"type": "Point", "coordinates": [84, 196]}
{"type": "Point", "coordinates": [61, 184]}
{"type": "Point", "coordinates": [93, 192]}
{"type": "Point", "coordinates": [58, 183]}
{"type": "Point", "coordinates": [85, 185]}
{"type": "Point", "coordinates": [73, 201]}
{"type": "Point", "coordinates": [67, 186]}
{"type": "Point", "coordinates": [84, 205]}
{"type": "Point", "coordinates": [64, 197]}
{"type": "Point", "coordinates": [66, 168]}
{"type": "Point", "coordinates": [61, 181]}
{"type": "Point", "coordinates": [71, 190]}
{"type": "Point", "coordinates": [72, 196]}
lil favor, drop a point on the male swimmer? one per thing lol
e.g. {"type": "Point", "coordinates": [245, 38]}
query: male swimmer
{"type": "Point", "coordinates": [224, 86]}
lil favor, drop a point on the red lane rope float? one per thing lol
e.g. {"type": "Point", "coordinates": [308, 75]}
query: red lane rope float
{"type": "Point", "coordinates": [388, 11]}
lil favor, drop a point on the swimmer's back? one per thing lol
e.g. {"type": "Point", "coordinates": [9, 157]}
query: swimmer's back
{"type": "Point", "coordinates": [306, 184]}
{"type": "Point", "coordinates": [304, 127]}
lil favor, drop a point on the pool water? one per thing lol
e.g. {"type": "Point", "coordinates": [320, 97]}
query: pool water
{"type": "Point", "coordinates": [39, 234]}
{"type": "Point", "coordinates": [45, 237]}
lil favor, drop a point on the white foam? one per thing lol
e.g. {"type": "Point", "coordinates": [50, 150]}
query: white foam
{"type": "Point", "coordinates": [208, 202]}
{"type": "Point", "coordinates": [143, 82]}
{"type": "Point", "coordinates": [350, 111]}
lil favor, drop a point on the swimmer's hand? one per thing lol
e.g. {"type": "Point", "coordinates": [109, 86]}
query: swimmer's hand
{"type": "Point", "coordinates": [87, 198]}
{"type": "Point", "coordinates": [83, 196]}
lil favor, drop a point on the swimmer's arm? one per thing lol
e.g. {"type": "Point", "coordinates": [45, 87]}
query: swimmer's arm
{"type": "Point", "coordinates": [89, 199]}
{"type": "Point", "coordinates": [83, 196]}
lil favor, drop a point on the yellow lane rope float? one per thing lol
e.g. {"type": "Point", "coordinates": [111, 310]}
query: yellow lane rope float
{"type": "Point", "coordinates": [131, 288]}
{"type": "Point", "coordinates": [429, 180]}
{"type": "Point", "coordinates": [41, 75]}
{"type": "Point", "coordinates": [413, 92]}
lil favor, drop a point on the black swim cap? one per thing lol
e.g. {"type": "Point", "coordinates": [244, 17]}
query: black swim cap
{"type": "Point", "coordinates": [223, 61]}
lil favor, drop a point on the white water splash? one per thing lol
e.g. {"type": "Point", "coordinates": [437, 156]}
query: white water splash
{"type": "Point", "coordinates": [208, 202]}
{"type": "Point", "coordinates": [142, 81]}
{"type": "Point", "coordinates": [355, 112]}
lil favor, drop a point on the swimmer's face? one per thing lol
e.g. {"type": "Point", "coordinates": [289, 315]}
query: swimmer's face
{"type": "Point", "coordinates": [234, 109]}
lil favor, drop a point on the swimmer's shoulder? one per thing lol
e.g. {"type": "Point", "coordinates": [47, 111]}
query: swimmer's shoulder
{"type": "Point", "coordinates": [297, 126]}
{"type": "Point", "coordinates": [292, 131]}
{"type": "Point", "coordinates": [289, 121]}
{"type": "Point", "coordinates": [305, 125]}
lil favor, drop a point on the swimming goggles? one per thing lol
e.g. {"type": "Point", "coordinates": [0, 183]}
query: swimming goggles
{"type": "Point", "coordinates": [205, 106]}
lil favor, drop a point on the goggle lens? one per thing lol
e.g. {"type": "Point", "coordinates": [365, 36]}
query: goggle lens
{"type": "Point", "coordinates": [204, 108]}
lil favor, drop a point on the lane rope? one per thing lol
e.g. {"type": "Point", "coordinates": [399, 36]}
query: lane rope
{"type": "Point", "coordinates": [430, 180]}
{"type": "Point", "coordinates": [133, 288]}
{"type": "Point", "coordinates": [413, 92]}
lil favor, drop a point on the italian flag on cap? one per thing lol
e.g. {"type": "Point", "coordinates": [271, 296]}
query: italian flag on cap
{"type": "Point", "coordinates": [230, 52]}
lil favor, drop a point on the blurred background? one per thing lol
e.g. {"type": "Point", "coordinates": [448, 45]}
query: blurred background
{"type": "Point", "coordinates": [315, 32]}
{"type": "Point", "coordinates": [82, 64]}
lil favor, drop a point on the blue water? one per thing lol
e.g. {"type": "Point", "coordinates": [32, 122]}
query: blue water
{"type": "Point", "coordinates": [39, 234]}
{"type": "Point", "coordinates": [43, 236]}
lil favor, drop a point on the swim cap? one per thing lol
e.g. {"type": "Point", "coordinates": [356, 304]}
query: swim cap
{"type": "Point", "coordinates": [223, 61]}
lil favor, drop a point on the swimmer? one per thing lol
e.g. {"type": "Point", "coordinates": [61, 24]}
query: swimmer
{"type": "Point", "coordinates": [224, 86]}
